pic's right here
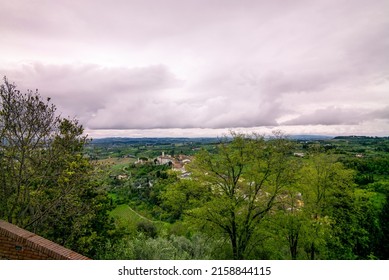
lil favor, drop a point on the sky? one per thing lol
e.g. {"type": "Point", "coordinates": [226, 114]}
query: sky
{"type": "Point", "coordinates": [195, 68]}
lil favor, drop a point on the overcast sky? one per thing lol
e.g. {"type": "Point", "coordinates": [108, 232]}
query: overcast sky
{"type": "Point", "coordinates": [202, 67]}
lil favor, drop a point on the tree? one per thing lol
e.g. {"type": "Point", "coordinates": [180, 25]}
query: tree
{"type": "Point", "coordinates": [327, 188]}
{"type": "Point", "coordinates": [245, 178]}
{"type": "Point", "coordinates": [181, 196]}
{"type": "Point", "coordinates": [46, 182]}
{"type": "Point", "coordinates": [27, 125]}
{"type": "Point", "coordinates": [383, 251]}
{"type": "Point", "coordinates": [289, 223]}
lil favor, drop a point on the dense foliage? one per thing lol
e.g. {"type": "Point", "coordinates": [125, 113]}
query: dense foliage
{"type": "Point", "coordinates": [46, 183]}
{"type": "Point", "coordinates": [257, 198]}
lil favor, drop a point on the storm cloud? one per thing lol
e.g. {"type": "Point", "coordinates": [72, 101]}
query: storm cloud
{"type": "Point", "coordinates": [303, 66]}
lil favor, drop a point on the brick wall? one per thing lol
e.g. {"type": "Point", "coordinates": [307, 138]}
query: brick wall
{"type": "Point", "coordinates": [19, 244]}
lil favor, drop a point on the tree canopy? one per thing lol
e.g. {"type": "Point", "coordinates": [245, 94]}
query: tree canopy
{"type": "Point", "coordinates": [46, 183]}
{"type": "Point", "coordinates": [245, 178]}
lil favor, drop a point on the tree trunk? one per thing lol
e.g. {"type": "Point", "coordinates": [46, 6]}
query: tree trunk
{"type": "Point", "coordinates": [312, 251]}
{"type": "Point", "coordinates": [293, 241]}
{"type": "Point", "coordinates": [234, 245]}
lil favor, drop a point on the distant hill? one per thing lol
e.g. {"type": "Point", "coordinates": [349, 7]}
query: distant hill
{"type": "Point", "coordinates": [309, 137]}
{"type": "Point", "coordinates": [356, 137]}
{"type": "Point", "coordinates": [175, 140]}
{"type": "Point", "coordinates": [151, 140]}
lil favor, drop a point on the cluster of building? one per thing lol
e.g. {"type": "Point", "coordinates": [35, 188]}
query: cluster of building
{"type": "Point", "coordinates": [177, 163]}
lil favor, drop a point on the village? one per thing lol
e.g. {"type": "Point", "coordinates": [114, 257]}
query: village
{"type": "Point", "coordinates": [176, 163]}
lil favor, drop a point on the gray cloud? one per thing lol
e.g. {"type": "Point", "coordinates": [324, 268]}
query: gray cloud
{"type": "Point", "coordinates": [85, 90]}
{"type": "Point", "coordinates": [150, 97]}
{"type": "Point", "coordinates": [202, 63]}
{"type": "Point", "coordinates": [330, 116]}
{"type": "Point", "coordinates": [381, 114]}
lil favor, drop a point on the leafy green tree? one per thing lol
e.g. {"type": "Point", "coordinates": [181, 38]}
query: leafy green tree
{"type": "Point", "coordinates": [245, 177]}
{"type": "Point", "coordinates": [181, 196]}
{"type": "Point", "coordinates": [46, 183]}
{"type": "Point", "coordinates": [383, 249]}
{"type": "Point", "coordinates": [318, 214]}
{"type": "Point", "coordinates": [328, 197]}
{"type": "Point", "coordinates": [368, 207]}
{"type": "Point", "coordinates": [26, 125]}
{"type": "Point", "coordinates": [172, 247]}
{"type": "Point", "coordinates": [290, 223]}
